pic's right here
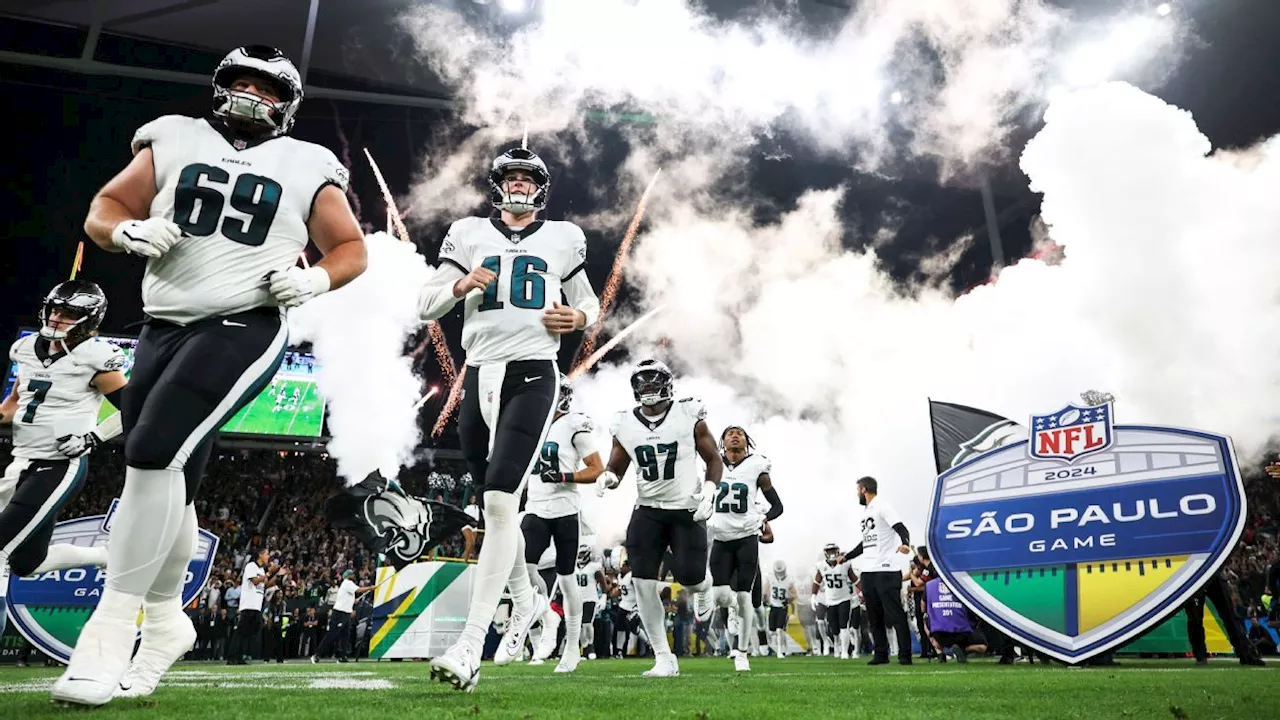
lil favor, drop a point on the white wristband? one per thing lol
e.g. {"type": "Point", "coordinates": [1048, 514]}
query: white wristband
{"type": "Point", "coordinates": [320, 282]}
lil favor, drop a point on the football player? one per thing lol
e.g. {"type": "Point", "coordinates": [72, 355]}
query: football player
{"type": "Point", "coordinates": [835, 580]}
{"type": "Point", "coordinates": [782, 593]}
{"type": "Point", "coordinates": [664, 435]}
{"type": "Point", "coordinates": [511, 270]}
{"type": "Point", "coordinates": [592, 584]}
{"type": "Point", "coordinates": [568, 458]}
{"type": "Point", "coordinates": [735, 529]}
{"type": "Point", "coordinates": [220, 207]}
{"type": "Point", "coordinates": [63, 375]}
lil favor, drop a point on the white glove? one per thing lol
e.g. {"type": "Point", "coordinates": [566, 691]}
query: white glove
{"type": "Point", "coordinates": [608, 480]}
{"type": "Point", "coordinates": [295, 286]}
{"type": "Point", "coordinates": [73, 446]}
{"type": "Point", "coordinates": [813, 602]}
{"type": "Point", "coordinates": [705, 508]}
{"type": "Point", "coordinates": [149, 238]}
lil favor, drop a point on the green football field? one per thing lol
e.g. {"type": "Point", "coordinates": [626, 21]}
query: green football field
{"type": "Point", "coordinates": [266, 416]}
{"type": "Point", "coordinates": [803, 687]}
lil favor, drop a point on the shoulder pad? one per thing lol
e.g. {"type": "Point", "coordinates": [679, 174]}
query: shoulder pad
{"type": "Point", "coordinates": [333, 171]}
{"type": "Point", "coordinates": [616, 420]}
{"type": "Point", "coordinates": [581, 423]}
{"type": "Point", "coordinates": [17, 346]}
{"type": "Point", "coordinates": [765, 464]}
{"type": "Point", "coordinates": [99, 355]}
{"type": "Point", "coordinates": [165, 127]}
{"type": "Point", "coordinates": [693, 407]}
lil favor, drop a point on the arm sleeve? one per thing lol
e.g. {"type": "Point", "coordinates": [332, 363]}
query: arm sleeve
{"type": "Point", "coordinates": [775, 504]}
{"type": "Point", "coordinates": [436, 298]}
{"type": "Point", "coordinates": [902, 533]}
{"type": "Point", "coordinates": [854, 552]}
{"type": "Point", "coordinates": [578, 291]}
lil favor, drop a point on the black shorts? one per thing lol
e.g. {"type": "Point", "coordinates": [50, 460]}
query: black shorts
{"type": "Point", "coordinates": [652, 531]}
{"type": "Point", "coordinates": [187, 381]}
{"type": "Point", "coordinates": [526, 402]}
{"type": "Point", "coordinates": [838, 616]}
{"type": "Point", "coordinates": [963, 639]}
{"type": "Point", "coordinates": [735, 562]}
{"type": "Point", "coordinates": [539, 533]}
{"type": "Point", "coordinates": [26, 523]}
{"type": "Point", "coordinates": [588, 612]}
{"type": "Point", "coordinates": [820, 614]}
{"type": "Point", "coordinates": [778, 618]}
{"type": "Point", "coordinates": [855, 617]}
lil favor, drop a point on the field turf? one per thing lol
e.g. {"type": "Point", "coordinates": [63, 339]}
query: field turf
{"type": "Point", "coordinates": [707, 688]}
{"type": "Point", "coordinates": [260, 415]}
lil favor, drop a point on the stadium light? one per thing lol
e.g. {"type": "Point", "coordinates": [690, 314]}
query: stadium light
{"type": "Point", "coordinates": [896, 97]}
{"type": "Point", "coordinates": [1164, 9]}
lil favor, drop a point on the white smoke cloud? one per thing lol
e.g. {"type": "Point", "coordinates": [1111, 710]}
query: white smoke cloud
{"type": "Point", "coordinates": [1160, 298]}
{"type": "Point", "coordinates": [357, 333]}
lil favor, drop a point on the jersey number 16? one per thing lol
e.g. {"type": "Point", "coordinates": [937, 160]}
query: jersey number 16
{"type": "Point", "coordinates": [528, 289]}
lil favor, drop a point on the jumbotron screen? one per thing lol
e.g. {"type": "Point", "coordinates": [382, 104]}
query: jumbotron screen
{"type": "Point", "coordinates": [291, 406]}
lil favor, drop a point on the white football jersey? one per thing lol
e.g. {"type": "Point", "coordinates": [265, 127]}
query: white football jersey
{"type": "Point", "coordinates": [627, 593]}
{"type": "Point", "coordinates": [836, 585]}
{"type": "Point", "coordinates": [585, 576]}
{"type": "Point", "coordinates": [503, 323]}
{"type": "Point", "coordinates": [54, 395]}
{"type": "Point", "coordinates": [663, 452]}
{"type": "Point", "coordinates": [736, 512]}
{"type": "Point", "coordinates": [780, 591]}
{"type": "Point", "coordinates": [243, 209]}
{"type": "Point", "coordinates": [568, 442]}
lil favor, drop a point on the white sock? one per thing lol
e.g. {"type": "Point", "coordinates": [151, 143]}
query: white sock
{"type": "Point", "coordinates": [63, 556]}
{"type": "Point", "coordinates": [843, 648]}
{"type": "Point", "coordinates": [780, 641]}
{"type": "Point", "coordinates": [723, 596]}
{"type": "Point", "coordinates": [572, 612]}
{"type": "Point", "coordinates": [144, 528]}
{"type": "Point", "coordinates": [494, 567]}
{"type": "Point", "coordinates": [518, 582]}
{"type": "Point", "coordinates": [745, 615]}
{"type": "Point", "coordinates": [159, 610]}
{"type": "Point", "coordinates": [535, 578]}
{"type": "Point", "coordinates": [173, 573]}
{"type": "Point", "coordinates": [652, 616]}
{"type": "Point", "coordinates": [588, 633]}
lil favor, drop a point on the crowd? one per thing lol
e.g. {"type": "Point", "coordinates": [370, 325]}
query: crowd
{"type": "Point", "coordinates": [256, 498]}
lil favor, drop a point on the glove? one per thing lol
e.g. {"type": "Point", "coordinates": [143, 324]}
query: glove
{"type": "Point", "coordinates": [813, 602]}
{"type": "Point", "coordinates": [554, 476]}
{"type": "Point", "coordinates": [296, 285]}
{"type": "Point", "coordinates": [73, 446]}
{"type": "Point", "coordinates": [149, 238]}
{"type": "Point", "coordinates": [705, 508]}
{"type": "Point", "coordinates": [608, 480]}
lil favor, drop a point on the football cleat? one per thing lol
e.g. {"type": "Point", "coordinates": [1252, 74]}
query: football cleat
{"type": "Point", "coordinates": [458, 666]}
{"type": "Point", "coordinates": [164, 641]}
{"type": "Point", "coordinates": [518, 629]}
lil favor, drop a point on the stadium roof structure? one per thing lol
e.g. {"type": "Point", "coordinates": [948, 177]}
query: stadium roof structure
{"type": "Point", "coordinates": [346, 49]}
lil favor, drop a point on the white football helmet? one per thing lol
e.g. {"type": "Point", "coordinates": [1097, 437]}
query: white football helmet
{"type": "Point", "coordinates": [832, 554]}
{"type": "Point", "coordinates": [519, 203]}
{"type": "Point", "coordinates": [565, 403]}
{"type": "Point", "coordinates": [248, 111]}
{"type": "Point", "coordinates": [779, 569]}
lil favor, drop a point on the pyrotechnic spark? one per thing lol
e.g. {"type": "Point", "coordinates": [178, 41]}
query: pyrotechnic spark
{"type": "Point", "coordinates": [595, 357]}
{"type": "Point", "coordinates": [455, 394]}
{"type": "Point", "coordinates": [422, 401]}
{"type": "Point", "coordinates": [346, 159]}
{"type": "Point", "coordinates": [615, 275]}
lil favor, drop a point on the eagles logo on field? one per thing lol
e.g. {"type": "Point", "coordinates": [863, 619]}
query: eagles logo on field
{"type": "Point", "coordinates": [1084, 534]}
{"type": "Point", "coordinates": [49, 610]}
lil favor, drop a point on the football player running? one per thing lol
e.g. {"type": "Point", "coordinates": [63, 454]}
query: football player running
{"type": "Point", "coordinates": [63, 375]}
{"type": "Point", "coordinates": [592, 584]}
{"type": "Point", "coordinates": [836, 581]}
{"type": "Point", "coordinates": [782, 594]}
{"type": "Point", "coordinates": [568, 458]}
{"type": "Point", "coordinates": [511, 270]}
{"type": "Point", "coordinates": [220, 207]}
{"type": "Point", "coordinates": [663, 436]}
{"type": "Point", "coordinates": [735, 528]}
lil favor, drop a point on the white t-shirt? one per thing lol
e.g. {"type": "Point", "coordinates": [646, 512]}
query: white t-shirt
{"type": "Point", "coordinates": [880, 541]}
{"type": "Point", "coordinates": [251, 595]}
{"type": "Point", "coordinates": [346, 601]}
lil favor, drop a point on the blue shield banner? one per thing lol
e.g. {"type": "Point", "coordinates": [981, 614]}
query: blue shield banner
{"type": "Point", "coordinates": [1076, 553]}
{"type": "Point", "coordinates": [49, 610]}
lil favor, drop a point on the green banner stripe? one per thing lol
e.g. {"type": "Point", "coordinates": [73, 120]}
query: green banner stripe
{"type": "Point", "coordinates": [438, 583]}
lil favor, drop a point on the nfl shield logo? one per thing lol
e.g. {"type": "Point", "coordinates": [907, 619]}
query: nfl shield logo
{"type": "Point", "coordinates": [1071, 433]}
{"type": "Point", "coordinates": [239, 144]}
{"type": "Point", "coordinates": [1077, 559]}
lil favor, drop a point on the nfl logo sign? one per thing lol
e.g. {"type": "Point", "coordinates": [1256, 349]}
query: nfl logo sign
{"type": "Point", "coordinates": [1071, 433]}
